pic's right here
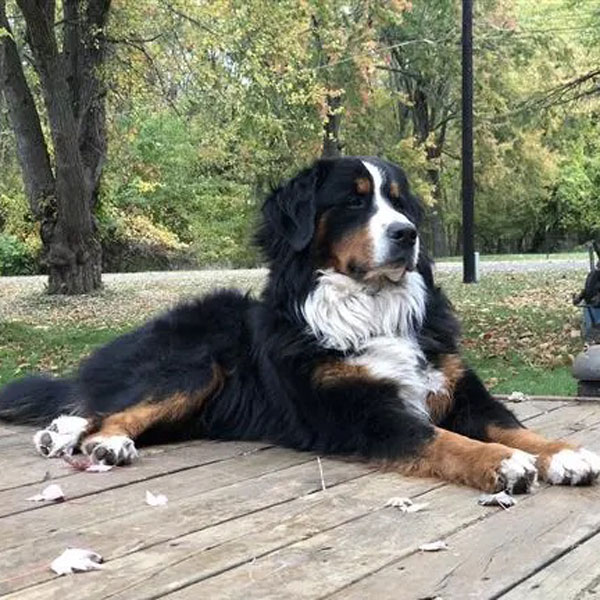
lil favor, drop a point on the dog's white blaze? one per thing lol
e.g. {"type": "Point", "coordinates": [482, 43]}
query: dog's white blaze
{"type": "Point", "coordinates": [382, 218]}
{"type": "Point", "coordinates": [344, 314]}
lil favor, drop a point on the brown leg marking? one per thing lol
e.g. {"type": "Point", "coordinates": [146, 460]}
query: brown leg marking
{"type": "Point", "coordinates": [529, 441]}
{"type": "Point", "coordinates": [133, 421]}
{"type": "Point", "coordinates": [440, 404]}
{"type": "Point", "coordinates": [459, 459]}
{"type": "Point", "coordinates": [332, 372]}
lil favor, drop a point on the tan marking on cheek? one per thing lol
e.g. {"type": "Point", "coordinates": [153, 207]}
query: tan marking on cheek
{"type": "Point", "coordinates": [363, 185]}
{"type": "Point", "coordinates": [356, 247]}
{"type": "Point", "coordinates": [440, 404]}
{"type": "Point", "coordinates": [529, 441]}
{"type": "Point", "coordinates": [333, 372]}
{"type": "Point", "coordinates": [453, 457]}
{"type": "Point", "coordinates": [394, 190]}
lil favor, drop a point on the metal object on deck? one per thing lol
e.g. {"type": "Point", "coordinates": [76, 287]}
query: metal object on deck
{"type": "Point", "coordinates": [586, 368]}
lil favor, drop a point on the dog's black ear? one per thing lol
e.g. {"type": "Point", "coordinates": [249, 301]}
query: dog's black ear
{"type": "Point", "coordinates": [291, 208]}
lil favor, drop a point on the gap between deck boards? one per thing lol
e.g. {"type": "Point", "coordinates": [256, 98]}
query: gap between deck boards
{"type": "Point", "coordinates": [542, 414]}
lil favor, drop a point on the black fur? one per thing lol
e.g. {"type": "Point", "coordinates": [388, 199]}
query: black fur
{"type": "Point", "coordinates": [264, 349]}
{"type": "Point", "coordinates": [37, 399]}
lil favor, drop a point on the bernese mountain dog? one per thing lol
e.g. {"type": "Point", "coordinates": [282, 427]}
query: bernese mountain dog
{"type": "Point", "coordinates": [351, 350]}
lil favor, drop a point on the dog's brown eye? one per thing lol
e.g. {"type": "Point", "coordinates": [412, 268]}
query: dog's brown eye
{"type": "Point", "coordinates": [355, 202]}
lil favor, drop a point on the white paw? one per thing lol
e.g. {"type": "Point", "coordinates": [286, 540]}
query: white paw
{"type": "Point", "coordinates": [574, 467]}
{"type": "Point", "coordinates": [60, 437]}
{"type": "Point", "coordinates": [110, 450]}
{"type": "Point", "coordinates": [518, 474]}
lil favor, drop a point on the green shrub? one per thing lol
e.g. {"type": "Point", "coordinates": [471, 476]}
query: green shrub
{"type": "Point", "coordinates": [15, 256]}
{"type": "Point", "coordinates": [132, 242]}
{"type": "Point", "coordinates": [162, 171]}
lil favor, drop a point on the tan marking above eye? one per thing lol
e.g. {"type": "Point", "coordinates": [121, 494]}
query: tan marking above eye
{"type": "Point", "coordinates": [394, 189]}
{"type": "Point", "coordinates": [363, 185]}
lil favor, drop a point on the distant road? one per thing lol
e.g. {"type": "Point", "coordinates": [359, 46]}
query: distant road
{"type": "Point", "coordinates": [250, 277]}
{"type": "Point", "coordinates": [520, 266]}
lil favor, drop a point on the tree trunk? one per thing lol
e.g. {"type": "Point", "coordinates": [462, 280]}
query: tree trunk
{"type": "Point", "coordinates": [438, 233]}
{"type": "Point", "coordinates": [74, 100]}
{"type": "Point", "coordinates": [32, 153]}
{"type": "Point", "coordinates": [332, 147]}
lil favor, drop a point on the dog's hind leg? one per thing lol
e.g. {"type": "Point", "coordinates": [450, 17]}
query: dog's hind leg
{"type": "Point", "coordinates": [113, 441]}
{"type": "Point", "coordinates": [62, 436]}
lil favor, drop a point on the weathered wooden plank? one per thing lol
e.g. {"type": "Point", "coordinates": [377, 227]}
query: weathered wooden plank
{"type": "Point", "coordinates": [325, 562]}
{"type": "Point", "coordinates": [567, 419]}
{"type": "Point", "coordinates": [122, 523]}
{"type": "Point", "coordinates": [575, 575]}
{"type": "Point", "coordinates": [21, 466]}
{"type": "Point", "coordinates": [293, 567]}
{"type": "Point", "coordinates": [169, 566]}
{"type": "Point", "coordinates": [505, 397]}
{"type": "Point", "coordinates": [154, 462]}
{"type": "Point", "coordinates": [491, 555]}
{"type": "Point", "coordinates": [112, 503]}
{"type": "Point", "coordinates": [206, 503]}
{"type": "Point", "coordinates": [15, 439]}
{"type": "Point", "coordinates": [9, 429]}
{"type": "Point", "coordinates": [532, 408]}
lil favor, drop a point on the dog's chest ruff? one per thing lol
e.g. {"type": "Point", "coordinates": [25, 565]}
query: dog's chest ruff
{"type": "Point", "coordinates": [376, 330]}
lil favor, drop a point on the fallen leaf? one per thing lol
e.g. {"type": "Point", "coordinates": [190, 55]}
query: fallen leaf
{"type": "Point", "coordinates": [406, 505]}
{"type": "Point", "coordinates": [434, 546]}
{"type": "Point", "coordinates": [81, 463]}
{"type": "Point", "coordinates": [76, 559]}
{"type": "Point", "coordinates": [156, 500]}
{"type": "Point", "coordinates": [398, 502]}
{"type": "Point", "coordinates": [500, 499]}
{"type": "Point", "coordinates": [491, 382]}
{"type": "Point", "coordinates": [94, 468]}
{"type": "Point", "coordinates": [51, 493]}
{"type": "Point", "coordinates": [518, 397]}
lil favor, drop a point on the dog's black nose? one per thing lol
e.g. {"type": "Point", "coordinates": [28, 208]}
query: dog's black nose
{"type": "Point", "coordinates": [403, 234]}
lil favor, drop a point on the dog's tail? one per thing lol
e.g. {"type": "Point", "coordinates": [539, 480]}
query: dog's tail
{"type": "Point", "coordinates": [37, 399]}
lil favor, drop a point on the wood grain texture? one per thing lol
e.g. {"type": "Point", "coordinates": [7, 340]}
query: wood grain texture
{"type": "Point", "coordinates": [248, 521]}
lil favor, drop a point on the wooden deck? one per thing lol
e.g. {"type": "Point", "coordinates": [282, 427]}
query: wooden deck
{"type": "Point", "coordinates": [251, 521]}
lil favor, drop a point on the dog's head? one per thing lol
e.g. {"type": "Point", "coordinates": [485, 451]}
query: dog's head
{"type": "Point", "coordinates": [354, 215]}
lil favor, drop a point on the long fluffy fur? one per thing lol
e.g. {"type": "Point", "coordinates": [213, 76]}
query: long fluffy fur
{"type": "Point", "coordinates": [270, 350]}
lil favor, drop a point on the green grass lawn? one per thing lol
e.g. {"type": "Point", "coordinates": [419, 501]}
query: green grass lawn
{"type": "Point", "coordinates": [520, 331]}
{"type": "Point", "coordinates": [25, 347]}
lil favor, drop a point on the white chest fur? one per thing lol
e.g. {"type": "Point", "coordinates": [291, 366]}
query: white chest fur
{"type": "Point", "coordinates": [344, 314]}
{"type": "Point", "coordinates": [376, 329]}
{"type": "Point", "coordinates": [399, 359]}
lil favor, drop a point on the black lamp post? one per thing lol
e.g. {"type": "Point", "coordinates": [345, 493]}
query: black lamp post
{"type": "Point", "coordinates": [469, 274]}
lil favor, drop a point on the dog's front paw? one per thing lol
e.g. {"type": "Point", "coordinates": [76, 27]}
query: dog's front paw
{"type": "Point", "coordinates": [517, 473]}
{"type": "Point", "coordinates": [573, 467]}
{"type": "Point", "coordinates": [60, 437]}
{"type": "Point", "coordinates": [110, 449]}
